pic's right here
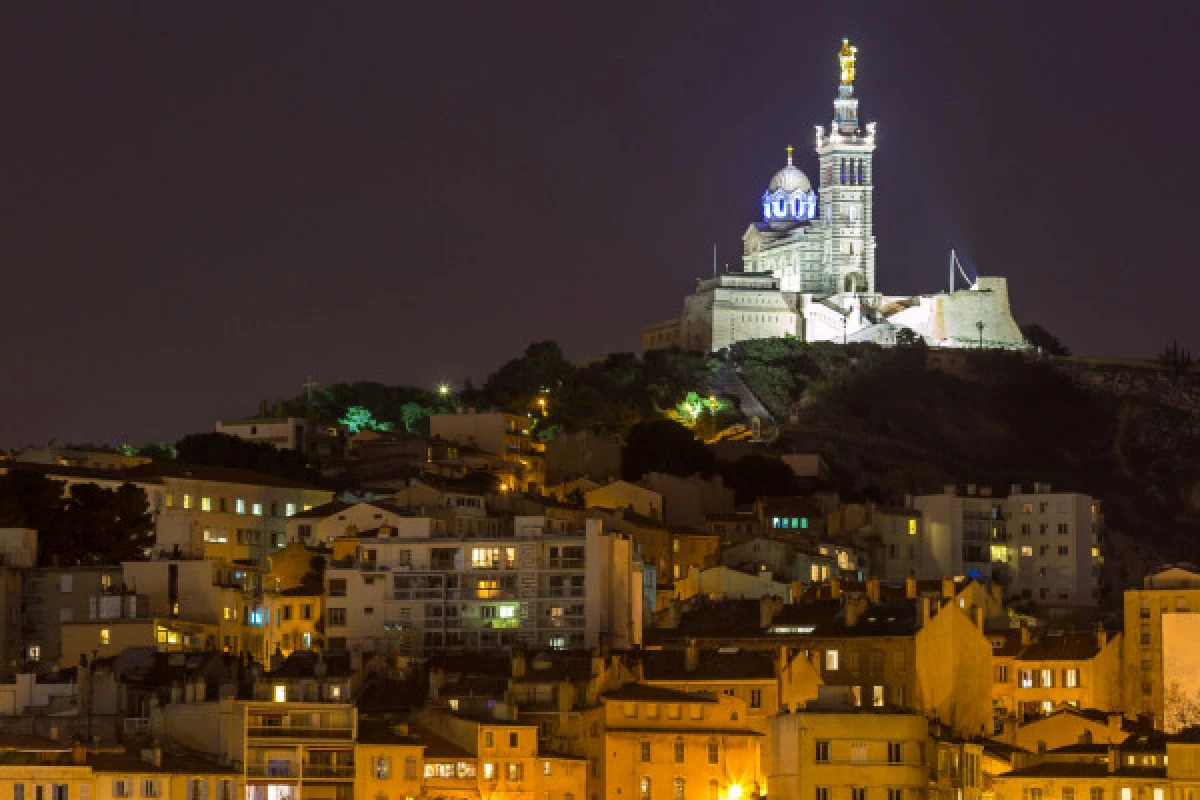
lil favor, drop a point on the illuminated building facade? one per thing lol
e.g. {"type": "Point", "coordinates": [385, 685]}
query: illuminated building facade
{"type": "Point", "coordinates": [1162, 647]}
{"type": "Point", "coordinates": [808, 266]}
{"type": "Point", "coordinates": [541, 585]}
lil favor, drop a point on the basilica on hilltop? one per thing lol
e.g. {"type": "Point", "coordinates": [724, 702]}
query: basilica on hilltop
{"type": "Point", "coordinates": [808, 266]}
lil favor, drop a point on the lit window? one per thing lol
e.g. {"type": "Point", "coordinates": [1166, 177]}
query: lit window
{"type": "Point", "coordinates": [35, 652]}
{"type": "Point", "coordinates": [383, 768]}
{"type": "Point", "coordinates": [289, 509]}
{"type": "Point", "coordinates": [104, 636]}
{"type": "Point", "coordinates": [239, 505]}
{"type": "Point", "coordinates": [187, 501]}
{"type": "Point", "coordinates": [831, 660]}
{"type": "Point", "coordinates": [170, 500]}
{"type": "Point", "coordinates": [256, 509]}
{"type": "Point", "coordinates": [1071, 679]}
{"type": "Point", "coordinates": [280, 693]}
{"type": "Point", "coordinates": [1026, 550]}
{"type": "Point", "coordinates": [508, 612]}
{"type": "Point", "coordinates": [206, 504]}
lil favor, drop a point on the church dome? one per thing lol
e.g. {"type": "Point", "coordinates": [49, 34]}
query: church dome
{"type": "Point", "coordinates": [790, 179]}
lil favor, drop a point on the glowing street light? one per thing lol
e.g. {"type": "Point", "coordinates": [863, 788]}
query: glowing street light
{"type": "Point", "coordinates": [443, 389]}
{"type": "Point", "coordinates": [735, 792]}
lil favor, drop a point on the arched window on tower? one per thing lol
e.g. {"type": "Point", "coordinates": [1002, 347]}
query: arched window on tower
{"type": "Point", "coordinates": [842, 177]}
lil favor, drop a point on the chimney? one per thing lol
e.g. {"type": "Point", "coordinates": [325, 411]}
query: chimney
{"type": "Point", "coordinates": [923, 606]}
{"type": "Point", "coordinates": [851, 613]}
{"type": "Point", "coordinates": [977, 616]}
{"type": "Point", "coordinates": [1101, 636]}
{"type": "Point", "coordinates": [873, 589]}
{"type": "Point", "coordinates": [910, 585]}
{"type": "Point", "coordinates": [152, 755]}
{"type": "Point", "coordinates": [1115, 722]}
{"type": "Point", "coordinates": [1041, 747]}
{"type": "Point", "coordinates": [768, 607]}
{"type": "Point", "coordinates": [947, 588]}
{"type": "Point", "coordinates": [1114, 758]}
{"type": "Point", "coordinates": [691, 655]}
{"type": "Point", "coordinates": [1024, 634]}
{"type": "Point", "coordinates": [835, 587]}
{"type": "Point", "coordinates": [518, 663]}
{"type": "Point", "coordinates": [1085, 737]}
{"type": "Point", "coordinates": [78, 752]}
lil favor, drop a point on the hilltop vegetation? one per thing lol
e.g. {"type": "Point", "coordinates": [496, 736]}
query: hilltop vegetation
{"type": "Point", "coordinates": [891, 422]}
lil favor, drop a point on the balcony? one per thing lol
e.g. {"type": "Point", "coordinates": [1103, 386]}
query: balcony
{"type": "Point", "coordinates": [284, 770]}
{"type": "Point", "coordinates": [564, 563]}
{"type": "Point", "coordinates": [329, 772]}
{"type": "Point", "coordinates": [298, 732]}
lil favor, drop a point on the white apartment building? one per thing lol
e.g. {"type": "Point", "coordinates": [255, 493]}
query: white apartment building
{"type": "Point", "coordinates": [211, 512]}
{"type": "Point", "coordinates": [1040, 544]}
{"type": "Point", "coordinates": [282, 433]}
{"type": "Point", "coordinates": [460, 514]}
{"type": "Point", "coordinates": [417, 588]}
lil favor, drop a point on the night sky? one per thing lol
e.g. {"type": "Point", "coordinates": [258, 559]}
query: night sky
{"type": "Point", "coordinates": [199, 207]}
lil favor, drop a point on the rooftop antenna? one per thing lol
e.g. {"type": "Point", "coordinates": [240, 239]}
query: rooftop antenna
{"type": "Point", "coordinates": [714, 259]}
{"type": "Point", "coordinates": [954, 262]}
{"type": "Point", "coordinates": [308, 386]}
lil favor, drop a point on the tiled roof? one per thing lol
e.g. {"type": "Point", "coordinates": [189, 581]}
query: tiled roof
{"type": "Point", "coordinates": [374, 731]}
{"type": "Point", "coordinates": [641, 693]}
{"type": "Point", "coordinates": [438, 746]}
{"type": "Point", "coordinates": [1062, 646]}
{"type": "Point", "coordinates": [171, 469]}
{"type": "Point", "coordinates": [670, 665]}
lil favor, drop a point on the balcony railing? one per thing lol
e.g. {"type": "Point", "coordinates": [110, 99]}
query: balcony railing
{"type": "Point", "coordinates": [329, 772]}
{"type": "Point", "coordinates": [288, 771]}
{"type": "Point", "coordinates": [564, 563]}
{"type": "Point", "coordinates": [299, 732]}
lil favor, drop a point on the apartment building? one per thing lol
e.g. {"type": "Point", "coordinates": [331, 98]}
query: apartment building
{"type": "Point", "coordinates": [482, 756]}
{"type": "Point", "coordinates": [418, 588]}
{"type": "Point", "coordinates": [1162, 647]}
{"type": "Point", "coordinates": [210, 512]}
{"type": "Point", "coordinates": [1148, 767]}
{"type": "Point", "coordinates": [651, 741]}
{"type": "Point", "coordinates": [18, 553]}
{"type": "Point", "coordinates": [282, 433]}
{"type": "Point", "coordinates": [1040, 544]}
{"type": "Point", "coordinates": [509, 436]}
{"type": "Point", "coordinates": [32, 767]}
{"type": "Point", "coordinates": [835, 753]}
{"type": "Point", "coordinates": [223, 513]}
{"type": "Point", "coordinates": [285, 749]}
{"type": "Point", "coordinates": [55, 596]}
{"type": "Point", "coordinates": [227, 598]}
{"type": "Point", "coordinates": [1036, 676]}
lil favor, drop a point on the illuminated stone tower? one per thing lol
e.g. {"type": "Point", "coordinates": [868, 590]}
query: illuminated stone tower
{"type": "Point", "coordinates": [847, 178]}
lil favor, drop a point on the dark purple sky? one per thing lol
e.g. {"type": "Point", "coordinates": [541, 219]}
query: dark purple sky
{"type": "Point", "coordinates": [199, 206]}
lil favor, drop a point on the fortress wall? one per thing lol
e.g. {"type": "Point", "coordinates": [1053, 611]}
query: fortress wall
{"type": "Point", "coordinates": [957, 314]}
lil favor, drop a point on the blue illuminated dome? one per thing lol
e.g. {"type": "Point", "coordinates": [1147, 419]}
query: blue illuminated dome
{"type": "Point", "coordinates": [789, 198]}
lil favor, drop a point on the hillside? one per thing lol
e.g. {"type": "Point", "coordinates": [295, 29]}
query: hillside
{"type": "Point", "coordinates": [890, 422]}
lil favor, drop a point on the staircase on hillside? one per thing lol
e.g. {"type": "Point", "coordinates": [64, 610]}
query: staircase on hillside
{"type": "Point", "coordinates": [728, 383]}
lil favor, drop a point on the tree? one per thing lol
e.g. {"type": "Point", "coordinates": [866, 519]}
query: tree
{"type": "Point", "coordinates": [755, 476]}
{"type": "Point", "coordinates": [223, 450]}
{"type": "Point", "coordinates": [358, 419]}
{"type": "Point", "coordinates": [1044, 340]}
{"type": "Point", "coordinates": [663, 445]}
{"type": "Point", "coordinates": [88, 525]}
{"type": "Point", "coordinates": [1175, 358]}
{"type": "Point", "coordinates": [514, 385]}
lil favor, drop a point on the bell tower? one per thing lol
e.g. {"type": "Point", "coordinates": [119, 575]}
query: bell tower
{"type": "Point", "coordinates": [847, 178]}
